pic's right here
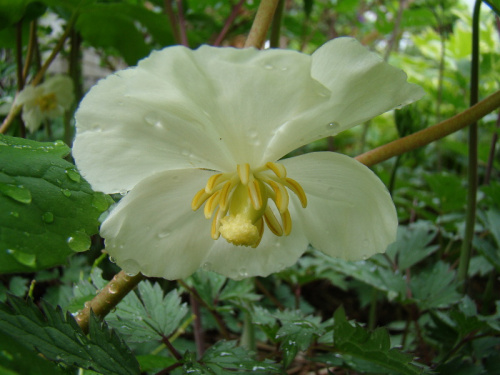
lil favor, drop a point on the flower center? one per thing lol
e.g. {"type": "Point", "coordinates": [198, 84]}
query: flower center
{"type": "Point", "coordinates": [47, 102]}
{"type": "Point", "coordinates": [238, 203]}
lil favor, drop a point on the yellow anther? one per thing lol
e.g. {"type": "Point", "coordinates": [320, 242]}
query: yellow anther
{"type": "Point", "coordinates": [281, 196]}
{"type": "Point", "coordinates": [199, 199]}
{"type": "Point", "coordinates": [286, 220]}
{"type": "Point", "coordinates": [278, 169]}
{"type": "Point", "coordinates": [243, 172]}
{"type": "Point", "coordinates": [255, 194]}
{"type": "Point", "coordinates": [272, 222]}
{"type": "Point", "coordinates": [260, 227]}
{"type": "Point", "coordinates": [211, 205]}
{"type": "Point", "coordinates": [47, 102]}
{"type": "Point", "coordinates": [214, 232]}
{"type": "Point", "coordinates": [238, 203]}
{"type": "Point", "coordinates": [211, 183]}
{"type": "Point", "coordinates": [224, 194]}
{"type": "Point", "coordinates": [297, 189]}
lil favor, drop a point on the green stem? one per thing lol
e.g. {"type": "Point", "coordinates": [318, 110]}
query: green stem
{"type": "Point", "coordinates": [261, 23]}
{"type": "Point", "coordinates": [248, 335]}
{"type": "Point", "coordinates": [108, 298]}
{"type": "Point", "coordinates": [276, 26]}
{"type": "Point", "coordinates": [431, 134]}
{"type": "Point", "coordinates": [466, 250]}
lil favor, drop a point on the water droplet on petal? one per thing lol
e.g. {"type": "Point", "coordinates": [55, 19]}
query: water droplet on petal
{"type": "Point", "coordinates": [48, 217]}
{"type": "Point", "coordinates": [269, 66]}
{"type": "Point", "coordinates": [243, 272]}
{"type": "Point", "coordinates": [19, 193]}
{"type": "Point", "coordinates": [73, 175]}
{"type": "Point", "coordinates": [154, 120]}
{"type": "Point", "coordinates": [207, 265]}
{"type": "Point", "coordinates": [79, 241]}
{"type": "Point", "coordinates": [163, 234]}
{"type": "Point", "coordinates": [96, 127]}
{"type": "Point", "coordinates": [332, 125]}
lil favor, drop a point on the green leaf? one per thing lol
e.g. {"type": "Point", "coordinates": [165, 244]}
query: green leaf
{"type": "Point", "coordinates": [47, 210]}
{"type": "Point", "coordinates": [369, 351]}
{"type": "Point", "coordinates": [150, 317]}
{"type": "Point", "coordinates": [154, 363]}
{"type": "Point", "coordinates": [60, 339]}
{"type": "Point", "coordinates": [16, 359]}
{"type": "Point", "coordinates": [412, 244]}
{"type": "Point", "coordinates": [296, 333]}
{"type": "Point", "coordinates": [225, 356]}
{"type": "Point", "coordinates": [435, 287]}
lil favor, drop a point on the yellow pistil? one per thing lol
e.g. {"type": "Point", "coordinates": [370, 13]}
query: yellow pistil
{"type": "Point", "coordinates": [47, 102]}
{"type": "Point", "coordinates": [237, 203]}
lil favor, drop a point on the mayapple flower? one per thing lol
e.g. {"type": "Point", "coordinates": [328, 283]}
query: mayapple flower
{"type": "Point", "coordinates": [48, 100]}
{"type": "Point", "coordinates": [194, 140]}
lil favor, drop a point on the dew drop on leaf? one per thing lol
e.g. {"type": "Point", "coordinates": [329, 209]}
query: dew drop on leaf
{"type": "Point", "coordinates": [100, 202]}
{"type": "Point", "coordinates": [23, 258]}
{"type": "Point", "coordinates": [48, 217]}
{"type": "Point", "coordinates": [73, 175]}
{"type": "Point", "coordinates": [17, 192]}
{"type": "Point", "coordinates": [78, 241]}
{"type": "Point", "coordinates": [66, 192]}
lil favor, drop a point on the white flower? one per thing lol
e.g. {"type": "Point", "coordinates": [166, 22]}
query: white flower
{"type": "Point", "coordinates": [197, 134]}
{"type": "Point", "coordinates": [48, 100]}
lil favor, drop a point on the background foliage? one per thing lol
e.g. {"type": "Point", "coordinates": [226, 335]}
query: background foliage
{"type": "Point", "coordinates": [403, 312]}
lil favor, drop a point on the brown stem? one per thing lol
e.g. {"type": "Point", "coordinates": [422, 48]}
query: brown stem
{"type": "Point", "coordinates": [261, 24]}
{"type": "Point", "coordinates": [182, 24]}
{"type": "Point", "coordinates": [108, 298]}
{"type": "Point", "coordinates": [199, 335]}
{"type": "Point", "coordinates": [214, 313]}
{"type": "Point", "coordinates": [491, 156]}
{"type": "Point", "coordinates": [229, 22]}
{"type": "Point", "coordinates": [431, 134]}
{"type": "Point", "coordinates": [31, 49]}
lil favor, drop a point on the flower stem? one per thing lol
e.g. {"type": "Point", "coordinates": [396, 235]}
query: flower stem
{"type": "Point", "coordinates": [261, 23]}
{"type": "Point", "coordinates": [276, 25]}
{"type": "Point", "coordinates": [431, 134]}
{"type": "Point", "coordinates": [466, 250]}
{"type": "Point", "coordinates": [228, 23]}
{"type": "Point", "coordinates": [108, 298]}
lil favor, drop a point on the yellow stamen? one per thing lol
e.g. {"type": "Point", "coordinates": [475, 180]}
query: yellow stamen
{"type": "Point", "coordinates": [211, 205]}
{"type": "Point", "coordinates": [243, 173]}
{"type": "Point", "coordinates": [238, 203]}
{"type": "Point", "coordinates": [273, 223]}
{"type": "Point", "coordinates": [209, 187]}
{"type": "Point", "coordinates": [47, 102]}
{"type": "Point", "coordinates": [278, 169]}
{"type": "Point", "coordinates": [297, 189]}
{"type": "Point", "coordinates": [199, 199]}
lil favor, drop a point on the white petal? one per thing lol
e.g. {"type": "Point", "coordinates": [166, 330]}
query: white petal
{"type": "Point", "coordinates": [210, 108]}
{"type": "Point", "coordinates": [362, 85]}
{"type": "Point", "coordinates": [350, 214]}
{"type": "Point", "coordinates": [153, 229]}
{"type": "Point", "coordinates": [272, 255]}
{"type": "Point", "coordinates": [32, 117]}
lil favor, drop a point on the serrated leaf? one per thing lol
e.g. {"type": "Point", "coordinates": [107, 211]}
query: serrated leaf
{"type": "Point", "coordinates": [435, 287]}
{"type": "Point", "coordinates": [150, 317]}
{"type": "Point", "coordinates": [60, 339]}
{"type": "Point", "coordinates": [369, 349]}
{"type": "Point", "coordinates": [16, 359]}
{"type": "Point", "coordinates": [296, 333]}
{"type": "Point", "coordinates": [225, 356]}
{"type": "Point", "coordinates": [47, 211]}
{"type": "Point", "coordinates": [412, 244]}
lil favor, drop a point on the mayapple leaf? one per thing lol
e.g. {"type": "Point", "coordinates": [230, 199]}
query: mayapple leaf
{"type": "Point", "coordinates": [47, 210]}
{"type": "Point", "coordinates": [149, 318]}
{"type": "Point", "coordinates": [59, 338]}
{"type": "Point", "coordinates": [369, 351]}
{"type": "Point", "coordinates": [225, 357]}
